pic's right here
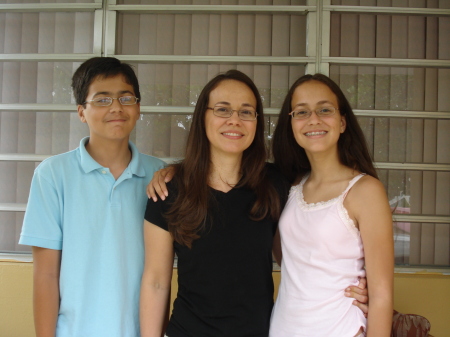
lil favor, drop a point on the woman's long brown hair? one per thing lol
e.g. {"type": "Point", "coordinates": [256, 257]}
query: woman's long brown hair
{"type": "Point", "coordinates": [352, 147]}
{"type": "Point", "coordinates": [187, 214]}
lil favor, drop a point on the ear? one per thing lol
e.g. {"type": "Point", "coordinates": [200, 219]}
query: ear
{"type": "Point", "coordinates": [138, 115]}
{"type": "Point", "coordinates": [343, 124]}
{"type": "Point", "coordinates": [80, 110]}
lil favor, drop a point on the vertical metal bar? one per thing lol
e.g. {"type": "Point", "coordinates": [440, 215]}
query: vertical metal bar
{"type": "Point", "coordinates": [325, 28]}
{"type": "Point", "coordinates": [98, 32]}
{"type": "Point", "coordinates": [110, 30]}
{"type": "Point", "coordinates": [311, 38]}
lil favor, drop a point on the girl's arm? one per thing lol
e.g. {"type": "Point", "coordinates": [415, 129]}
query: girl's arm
{"type": "Point", "coordinates": [156, 280]}
{"type": "Point", "coordinates": [367, 203]}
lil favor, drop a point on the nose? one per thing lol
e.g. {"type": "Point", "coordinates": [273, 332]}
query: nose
{"type": "Point", "coordinates": [314, 118]}
{"type": "Point", "coordinates": [115, 105]}
{"type": "Point", "coordinates": [234, 118]}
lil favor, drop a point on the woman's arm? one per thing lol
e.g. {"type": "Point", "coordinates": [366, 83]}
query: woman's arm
{"type": "Point", "coordinates": [156, 280]}
{"type": "Point", "coordinates": [368, 204]}
{"type": "Point", "coordinates": [46, 268]}
{"type": "Point", "coordinates": [360, 294]}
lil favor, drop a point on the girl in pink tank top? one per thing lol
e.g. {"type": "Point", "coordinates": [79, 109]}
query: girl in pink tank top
{"type": "Point", "coordinates": [337, 223]}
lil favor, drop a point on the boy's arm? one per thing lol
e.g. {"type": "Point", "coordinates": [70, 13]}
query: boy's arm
{"type": "Point", "coordinates": [46, 267]}
{"type": "Point", "coordinates": [156, 280]}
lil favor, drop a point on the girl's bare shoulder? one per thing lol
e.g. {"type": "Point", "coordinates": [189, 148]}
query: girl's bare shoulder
{"type": "Point", "coordinates": [367, 189]}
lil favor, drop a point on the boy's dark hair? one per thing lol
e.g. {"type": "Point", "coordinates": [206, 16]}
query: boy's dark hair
{"type": "Point", "coordinates": [102, 67]}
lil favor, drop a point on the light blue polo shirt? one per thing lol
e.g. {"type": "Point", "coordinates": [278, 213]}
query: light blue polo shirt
{"type": "Point", "coordinates": [76, 205]}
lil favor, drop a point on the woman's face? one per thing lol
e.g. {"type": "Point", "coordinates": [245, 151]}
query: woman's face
{"type": "Point", "coordinates": [316, 134]}
{"type": "Point", "coordinates": [230, 136]}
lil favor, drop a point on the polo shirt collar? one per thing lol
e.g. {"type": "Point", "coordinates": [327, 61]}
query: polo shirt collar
{"type": "Point", "coordinates": [88, 164]}
{"type": "Point", "coordinates": [135, 165]}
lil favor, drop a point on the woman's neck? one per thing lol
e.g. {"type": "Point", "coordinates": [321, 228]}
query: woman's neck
{"type": "Point", "coordinates": [225, 172]}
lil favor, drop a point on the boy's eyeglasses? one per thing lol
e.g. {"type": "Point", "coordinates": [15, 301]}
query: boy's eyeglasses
{"type": "Point", "coordinates": [226, 112]}
{"type": "Point", "coordinates": [306, 113]}
{"type": "Point", "coordinates": [107, 101]}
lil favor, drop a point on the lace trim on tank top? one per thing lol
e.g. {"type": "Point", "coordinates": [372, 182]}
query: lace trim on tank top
{"type": "Point", "coordinates": [343, 214]}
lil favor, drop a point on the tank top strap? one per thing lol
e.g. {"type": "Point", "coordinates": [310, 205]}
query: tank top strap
{"type": "Point", "coordinates": [351, 183]}
{"type": "Point", "coordinates": [303, 180]}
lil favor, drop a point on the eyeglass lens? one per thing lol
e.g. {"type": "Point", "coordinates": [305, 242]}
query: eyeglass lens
{"type": "Point", "coordinates": [244, 114]}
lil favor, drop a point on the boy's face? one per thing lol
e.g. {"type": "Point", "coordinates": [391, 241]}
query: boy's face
{"type": "Point", "coordinates": [114, 122]}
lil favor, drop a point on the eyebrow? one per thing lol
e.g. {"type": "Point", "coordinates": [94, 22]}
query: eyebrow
{"type": "Point", "coordinates": [110, 93]}
{"type": "Point", "coordinates": [320, 102]}
{"type": "Point", "coordinates": [242, 105]}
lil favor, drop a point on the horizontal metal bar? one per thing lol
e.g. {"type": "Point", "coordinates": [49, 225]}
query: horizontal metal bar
{"type": "Point", "coordinates": [49, 7]}
{"type": "Point", "coordinates": [9, 207]}
{"type": "Point", "coordinates": [30, 157]}
{"type": "Point", "coordinates": [169, 110]}
{"type": "Point", "coordinates": [388, 10]}
{"type": "Point", "coordinates": [421, 218]}
{"type": "Point", "coordinates": [276, 111]}
{"type": "Point", "coordinates": [6, 256]}
{"type": "Point", "coordinates": [403, 114]}
{"type": "Point", "coordinates": [215, 59]}
{"type": "Point", "coordinates": [422, 269]}
{"type": "Point", "coordinates": [21, 157]}
{"type": "Point", "coordinates": [178, 110]}
{"type": "Point", "coordinates": [211, 9]}
{"type": "Point", "coordinates": [12, 207]}
{"type": "Point", "coordinates": [39, 107]}
{"type": "Point", "coordinates": [390, 62]}
{"type": "Point", "coordinates": [412, 166]}
{"type": "Point", "coordinates": [269, 60]}
{"type": "Point", "coordinates": [45, 57]}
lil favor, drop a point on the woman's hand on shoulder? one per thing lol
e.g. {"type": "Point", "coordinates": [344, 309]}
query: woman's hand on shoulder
{"type": "Point", "coordinates": [157, 186]}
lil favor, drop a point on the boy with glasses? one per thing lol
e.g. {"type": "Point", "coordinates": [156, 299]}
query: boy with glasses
{"type": "Point", "coordinates": [85, 213]}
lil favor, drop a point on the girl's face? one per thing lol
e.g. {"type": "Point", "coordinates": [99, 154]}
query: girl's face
{"type": "Point", "coordinates": [316, 134]}
{"type": "Point", "coordinates": [231, 135]}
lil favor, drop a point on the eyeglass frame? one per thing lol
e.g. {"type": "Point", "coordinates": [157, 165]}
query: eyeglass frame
{"type": "Point", "coordinates": [316, 111]}
{"type": "Point", "coordinates": [231, 114]}
{"type": "Point", "coordinates": [112, 100]}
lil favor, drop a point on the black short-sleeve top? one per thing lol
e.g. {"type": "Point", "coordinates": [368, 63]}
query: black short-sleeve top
{"type": "Point", "coordinates": [225, 285]}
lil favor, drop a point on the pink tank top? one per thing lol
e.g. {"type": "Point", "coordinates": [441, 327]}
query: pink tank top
{"type": "Point", "coordinates": [322, 255]}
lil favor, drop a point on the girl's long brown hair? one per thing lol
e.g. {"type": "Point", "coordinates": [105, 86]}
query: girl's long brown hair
{"type": "Point", "coordinates": [352, 147]}
{"type": "Point", "coordinates": [187, 214]}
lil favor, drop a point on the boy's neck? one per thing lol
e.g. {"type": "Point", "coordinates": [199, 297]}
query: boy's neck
{"type": "Point", "coordinates": [115, 155]}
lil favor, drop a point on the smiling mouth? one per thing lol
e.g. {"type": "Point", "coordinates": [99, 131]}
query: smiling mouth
{"type": "Point", "coordinates": [232, 134]}
{"type": "Point", "coordinates": [315, 133]}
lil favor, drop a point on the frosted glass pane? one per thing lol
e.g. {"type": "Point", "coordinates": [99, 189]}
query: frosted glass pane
{"type": "Point", "coordinates": [222, 34]}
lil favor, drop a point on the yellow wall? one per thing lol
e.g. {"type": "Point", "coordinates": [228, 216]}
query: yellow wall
{"type": "Point", "coordinates": [423, 294]}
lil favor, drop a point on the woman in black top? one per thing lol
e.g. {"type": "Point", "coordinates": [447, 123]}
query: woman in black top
{"type": "Point", "coordinates": [220, 219]}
